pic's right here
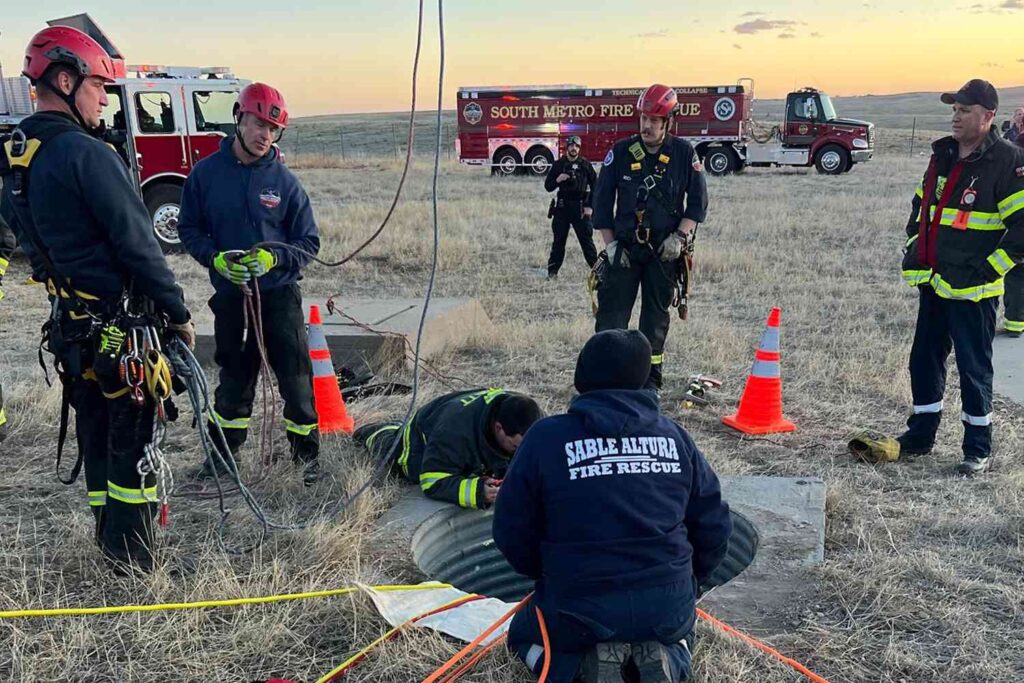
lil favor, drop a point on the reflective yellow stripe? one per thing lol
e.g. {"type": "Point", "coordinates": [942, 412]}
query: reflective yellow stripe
{"type": "Point", "coordinates": [3, 266]}
{"type": "Point", "coordinates": [911, 241]}
{"type": "Point", "coordinates": [917, 277]}
{"type": "Point", "coordinates": [97, 498]}
{"type": "Point", "coordinates": [1014, 325]}
{"type": "Point", "coordinates": [3, 417]}
{"type": "Point", "coordinates": [467, 492]}
{"type": "Point", "coordinates": [428, 479]}
{"type": "Point", "coordinates": [403, 459]}
{"type": "Point", "coordinates": [238, 423]}
{"type": "Point", "coordinates": [1001, 261]}
{"type": "Point", "coordinates": [919, 191]}
{"type": "Point", "coordinates": [976, 293]}
{"type": "Point", "coordinates": [1011, 205]}
{"type": "Point", "coordinates": [657, 360]}
{"type": "Point", "coordinates": [131, 496]}
{"type": "Point", "coordinates": [373, 437]}
{"type": "Point", "coordinates": [492, 394]}
{"type": "Point", "coordinates": [976, 220]}
{"type": "Point", "coordinates": [296, 428]}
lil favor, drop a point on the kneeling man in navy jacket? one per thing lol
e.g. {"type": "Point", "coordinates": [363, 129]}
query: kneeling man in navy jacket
{"type": "Point", "coordinates": [617, 516]}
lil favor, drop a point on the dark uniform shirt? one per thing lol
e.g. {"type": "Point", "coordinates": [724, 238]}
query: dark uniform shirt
{"type": "Point", "coordinates": [683, 191]}
{"type": "Point", "coordinates": [87, 214]}
{"type": "Point", "coordinates": [578, 189]}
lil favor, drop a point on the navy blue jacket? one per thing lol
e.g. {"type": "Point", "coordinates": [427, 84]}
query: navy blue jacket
{"type": "Point", "coordinates": [90, 219]}
{"type": "Point", "coordinates": [626, 166]}
{"type": "Point", "coordinates": [227, 205]}
{"type": "Point", "coordinates": [612, 495]}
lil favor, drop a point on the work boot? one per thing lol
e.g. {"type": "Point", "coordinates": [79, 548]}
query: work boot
{"type": "Point", "coordinates": [1012, 335]}
{"type": "Point", "coordinates": [213, 468]}
{"type": "Point", "coordinates": [972, 465]}
{"type": "Point", "coordinates": [310, 472]}
{"type": "Point", "coordinates": [604, 663]}
{"type": "Point", "coordinates": [651, 662]}
{"type": "Point", "coordinates": [912, 448]}
{"type": "Point", "coordinates": [552, 276]}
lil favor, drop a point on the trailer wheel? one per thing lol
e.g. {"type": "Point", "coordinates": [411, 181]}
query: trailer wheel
{"type": "Point", "coordinates": [164, 204]}
{"type": "Point", "coordinates": [832, 160]}
{"type": "Point", "coordinates": [720, 161]}
{"type": "Point", "coordinates": [539, 160]}
{"type": "Point", "coordinates": [506, 162]}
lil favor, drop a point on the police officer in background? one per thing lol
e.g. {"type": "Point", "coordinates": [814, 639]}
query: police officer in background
{"type": "Point", "coordinates": [573, 177]}
{"type": "Point", "coordinates": [71, 202]}
{"type": "Point", "coordinates": [650, 195]}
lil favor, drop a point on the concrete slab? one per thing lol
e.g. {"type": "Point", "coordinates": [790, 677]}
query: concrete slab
{"type": "Point", "coordinates": [789, 514]}
{"type": "Point", "coordinates": [1008, 363]}
{"type": "Point", "coordinates": [374, 332]}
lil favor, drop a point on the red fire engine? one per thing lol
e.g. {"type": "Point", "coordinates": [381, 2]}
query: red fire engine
{"type": "Point", "coordinates": [523, 129]}
{"type": "Point", "coordinates": [161, 121]}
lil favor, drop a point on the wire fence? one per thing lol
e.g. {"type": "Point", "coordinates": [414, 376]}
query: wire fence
{"type": "Point", "coordinates": [373, 136]}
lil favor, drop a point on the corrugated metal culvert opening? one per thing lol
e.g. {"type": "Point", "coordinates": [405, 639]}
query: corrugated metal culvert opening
{"type": "Point", "coordinates": [455, 546]}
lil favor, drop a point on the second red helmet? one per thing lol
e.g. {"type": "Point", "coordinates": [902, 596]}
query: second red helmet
{"type": "Point", "coordinates": [265, 103]}
{"type": "Point", "coordinates": [658, 100]}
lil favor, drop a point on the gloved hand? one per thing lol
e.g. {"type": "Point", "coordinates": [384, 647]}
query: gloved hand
{"type": "Point", "coordinates": [671, 247]}
{"type": "Point", "coordinates": [234, 271]}
{"type": "Point", "coordinates": [187, 332]}
{"type": "Point", "coordinates": [259, 262]}
{"type": "Point", "coordinates": [615, 251]}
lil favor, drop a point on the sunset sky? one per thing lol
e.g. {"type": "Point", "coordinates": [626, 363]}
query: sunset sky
{"type": "Point", "coordinates": [356, 55]}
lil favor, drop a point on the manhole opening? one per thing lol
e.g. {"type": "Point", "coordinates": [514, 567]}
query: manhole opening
{"type": "Point", "coordinates": [455, 546]}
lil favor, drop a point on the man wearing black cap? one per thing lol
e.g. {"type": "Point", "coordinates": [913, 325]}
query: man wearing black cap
{"type": "Point", "coordinates": [965, 233]}
{"type": "Point", "coordinates": [574, 177]}
{"type": "Point", "coordinates": [618, 518]}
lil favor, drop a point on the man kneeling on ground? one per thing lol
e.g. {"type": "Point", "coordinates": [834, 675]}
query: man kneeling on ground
{"type": "Point", "coordinates": [458, 446]}
{"type": "Point", "coordinates": [617, 516]}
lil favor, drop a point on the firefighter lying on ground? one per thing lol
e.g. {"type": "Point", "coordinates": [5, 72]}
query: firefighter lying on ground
{"type": "Point", "coordinates": [235, 198]}
{"type": "Point", "coordinates": [458, 446]}
{"type": "Point", "coordinates": [71, 202]}
{"type": "Point", "coordinates": [574, 178]}
{"type": "Point", "coordinates": [650, 196]}
{"type": "Point", "coordinates": [618, 518]}
{"type": "Point", "coordinates": [965, 233]}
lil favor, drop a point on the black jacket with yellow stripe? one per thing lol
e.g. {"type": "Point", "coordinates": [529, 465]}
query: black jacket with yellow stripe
{"type": "Point", "coordinates": [448, 446]}
{"type": "Point", "coordinates": [980, 235]}
{"type": "Point", "coordinates": [85, 212]}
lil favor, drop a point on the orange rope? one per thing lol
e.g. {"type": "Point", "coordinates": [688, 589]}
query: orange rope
{"type": "Point", "coordinates": [436, 677]}
{"type": "Point", "coordinates": [546, 642]}
{"type": "Point", "coordinates": [761, 646]}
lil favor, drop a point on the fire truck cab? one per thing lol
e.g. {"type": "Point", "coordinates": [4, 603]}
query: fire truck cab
{"type": "Point", "coordinates": [161, 119]}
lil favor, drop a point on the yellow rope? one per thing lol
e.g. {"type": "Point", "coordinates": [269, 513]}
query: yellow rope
{"type": "Point", "coordinates": [326, 678]}
{"type": "Point", "coordinates": [122, 609]}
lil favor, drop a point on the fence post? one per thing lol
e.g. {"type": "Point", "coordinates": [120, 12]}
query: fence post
{"type": "Point", "coordinates": [341, 132]}
{"type": "Point", "coordinates": [913, 134]}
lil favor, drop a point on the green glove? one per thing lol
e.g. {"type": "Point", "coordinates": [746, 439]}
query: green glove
{"type": "Point", "coordinates": [259, 262]}
{"type": "Point", "coordinates": [234, 271]}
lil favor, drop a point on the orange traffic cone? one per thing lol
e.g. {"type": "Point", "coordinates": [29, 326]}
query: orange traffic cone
{"type": "Point", "coordinates": [330, 406]}
{"type": "Point", "coordinates": [760, 410]}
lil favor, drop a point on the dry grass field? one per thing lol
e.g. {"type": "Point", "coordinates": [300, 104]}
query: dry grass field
{"type": "Point", "coordinates": [924, 573]}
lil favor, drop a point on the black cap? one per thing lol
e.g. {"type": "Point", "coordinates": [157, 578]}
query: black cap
{"type": "Point", "coordinates": [573, 140]}
{"type": "Point", "coordinates": [613, 359]}
{"type": "Point", "coordinates": [975, 91]}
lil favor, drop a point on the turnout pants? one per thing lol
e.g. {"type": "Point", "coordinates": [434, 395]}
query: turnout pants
{"type": "Point", "coordinates": [112, 433]}
{"type": "Point", "coordinates": [287, 347]}
{"type": "Point", "coordinates": [1014, 299]}
{"type": "Point", "coordinates": [379, 439]}
{"type": "Point", "coordinates": [570, 216]}
{"type": "Point", "coordinates": [575, 625]}
{"type": "Point", "coordinates": [656, 281]}
{"type": "Point", "coordinates": [967, 328]}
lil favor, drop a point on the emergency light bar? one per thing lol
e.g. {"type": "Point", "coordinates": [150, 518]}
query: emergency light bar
{"type": "Point", "coordinates": [181, 71]}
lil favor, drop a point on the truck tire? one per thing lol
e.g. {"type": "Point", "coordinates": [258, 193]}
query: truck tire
{"type": "Point", "coordinates": [538, 161]}
{"type": "Point", "coordinates": [506, 162]}
{"type": "Point", "coordinates": [164, 204]}
{"type": "Point", "coordinates": [720, 161]}
{"type": "Point", "coordinates": [832, 160]}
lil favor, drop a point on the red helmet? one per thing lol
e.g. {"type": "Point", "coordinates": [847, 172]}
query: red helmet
{"type": "Point", "coordinates": [65, 45]}
{"type": "Point", "coordinates": [658, 100]}
{"type": "Point", "coordinates": [263, 102]}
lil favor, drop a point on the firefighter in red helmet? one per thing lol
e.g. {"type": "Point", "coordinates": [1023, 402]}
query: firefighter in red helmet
{"type": "Point", "coordinates": [70, 199]}
{"type": "Point", "coordinates": [650, 196]}
{"type": "Point", "coordinates": [234, 199]}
